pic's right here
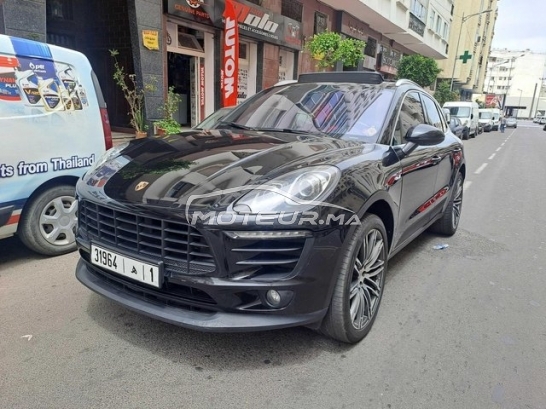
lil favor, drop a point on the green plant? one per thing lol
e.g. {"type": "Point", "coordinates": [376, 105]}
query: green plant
{"type": "Point", "coordinates": [419, 69]}
{"type": "Point", "coordinates": [168, 109]}
{"type": "Point", "coordinates": [443, 93]}
{"type": "Point", "coordinates": [328, 48]}
{"type": "Point", "coordinates": [134, 95]}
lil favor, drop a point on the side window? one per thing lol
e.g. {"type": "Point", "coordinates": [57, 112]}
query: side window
{"type": "Point", "coordinates": [411, 114]}
{"type": "Point", "coordinates": [433, 116]}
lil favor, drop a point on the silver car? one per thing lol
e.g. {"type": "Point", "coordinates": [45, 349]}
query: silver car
{"type": "Point", "coordinates": [511, 122]}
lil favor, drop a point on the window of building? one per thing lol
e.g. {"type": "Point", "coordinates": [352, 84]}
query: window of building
{"type": "Point", "coordinates": [446, 31]}
{"type": "Point", "coordinates": [61, 9]}
{"type": "Point", "coordinates": [292, 9]}
{"type": "Point", "coordinates": [321, 23]}
{"type": "Point", "coordinates": [418, 10]}
{"type": "Point", "coordinates": [371, 47]}
{"type": "Point", "coordinates": [432, 18]}
{"type": "Point", "coordinates": [438, 24]}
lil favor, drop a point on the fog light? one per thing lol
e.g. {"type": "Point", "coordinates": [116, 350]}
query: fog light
{"type": "Point", "coordinates": [273, 298]}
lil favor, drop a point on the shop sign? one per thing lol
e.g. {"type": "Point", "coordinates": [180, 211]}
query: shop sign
{"type": "Point", "coordinates": [254, 21]}
{"type": "Point", "coordinates": [354, 28]}
{"type": "Point", "coordinates": [202, 87]}
{"type": "Point", "coordinates": [230, 66]}
{"type": "Point", "coordinates": [388, 60]}
{"type": "Point", "coordinates": [150, 39]}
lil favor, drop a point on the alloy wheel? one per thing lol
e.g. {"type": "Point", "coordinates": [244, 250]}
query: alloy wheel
{"type": "Point", "coordinates": [457, 204]}
{"type": "Point", "coordinates": [367, 279]}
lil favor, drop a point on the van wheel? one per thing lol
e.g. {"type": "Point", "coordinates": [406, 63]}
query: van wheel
{"type": "Point", "coordinates": [359, 286]}
{"type": "Point", "coordinates": [48, 223]}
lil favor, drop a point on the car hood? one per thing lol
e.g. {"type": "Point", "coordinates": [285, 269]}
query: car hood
{"type": "Point", "coordinates": [170, 171]}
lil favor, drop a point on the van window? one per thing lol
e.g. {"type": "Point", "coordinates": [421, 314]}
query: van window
{"type": "Point", "coordinates": [461, 112]}
{"type": "Point", "coordinates": [486, 115]}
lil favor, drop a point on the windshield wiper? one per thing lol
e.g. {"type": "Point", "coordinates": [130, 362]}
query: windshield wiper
{"type": "Point", "coordinates": [287, 130]}
{"type": "Point", "coordinates": [236, 125]}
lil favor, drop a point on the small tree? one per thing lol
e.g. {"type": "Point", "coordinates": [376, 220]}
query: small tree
{"type": "Point", "coordinates": [443, 93]}
{"type": "Point", "coordinates": [419, 69]}
{"type": "Point", "coordinates": [481, 104]}
{"type": "Point", "coordinates": [328, 48]}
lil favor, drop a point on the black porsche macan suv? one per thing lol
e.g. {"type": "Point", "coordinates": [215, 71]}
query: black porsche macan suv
{"type": "Point", "coordinates": [285, 214]}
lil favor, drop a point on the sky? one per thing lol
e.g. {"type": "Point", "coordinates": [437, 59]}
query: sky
{"type": "Point", "coordinates": [521, 25]}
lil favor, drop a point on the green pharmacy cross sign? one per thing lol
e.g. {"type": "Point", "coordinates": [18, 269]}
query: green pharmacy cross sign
{"type": "Point", "coordinates": [465, 57]}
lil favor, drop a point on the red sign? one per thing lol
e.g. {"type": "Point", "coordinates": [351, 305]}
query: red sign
{"type": "Point", "coordinates": [230, 66]}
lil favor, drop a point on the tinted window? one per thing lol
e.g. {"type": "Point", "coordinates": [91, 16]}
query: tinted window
{"type": "Point", "coordinates": [433, 116]}
{"type": "Point", "coordinates": [345, 111]}
{"type": "Point", "coordinates": [411, 114]}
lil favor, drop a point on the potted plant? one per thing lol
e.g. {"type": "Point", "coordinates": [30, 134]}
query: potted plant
{"type": "Point", "coordinates": [328, 48]}
{"type": "Point", "coordinates": [134, 95]}
{"type": "Point", "coordinates": [168, 125]}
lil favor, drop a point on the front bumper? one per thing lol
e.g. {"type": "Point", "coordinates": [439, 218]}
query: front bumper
{"type": "Point", "coordinates": [210, 321]}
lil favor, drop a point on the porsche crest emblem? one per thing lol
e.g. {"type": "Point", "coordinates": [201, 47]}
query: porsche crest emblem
{"type": "Point", "coordinates": [141, 185]}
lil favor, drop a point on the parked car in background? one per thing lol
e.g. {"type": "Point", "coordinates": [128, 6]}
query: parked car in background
{"type": "Point", "coordinates": [542, 120]}
{"type": "Point", "coordinates": [467, 112]}
{"type": "Point", "coordinates": [486, 119]}
{"type": "Point", "coordinates": [458, 128]}
{"type": "Point", "coordinates": [511, 122]}
{"type": "Point", "coordinates": [53, 127]}
{"type": "Point", "coordinates": [496, 113]}
{"type": "Point", "coordinates": [284, 215]}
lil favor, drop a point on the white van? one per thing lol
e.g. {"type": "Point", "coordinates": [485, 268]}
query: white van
{"type": "Point", "coordinates": [467, 112]}
{"type": "Point", "coordinates": [496, 112]}
{"type": "Point", "coordinates": [53, 126]}
{"type": "Point", "coordinates": [486, 119]}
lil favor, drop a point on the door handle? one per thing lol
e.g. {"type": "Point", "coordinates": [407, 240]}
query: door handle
{"type": "Point", "coordinates": [436, 159]}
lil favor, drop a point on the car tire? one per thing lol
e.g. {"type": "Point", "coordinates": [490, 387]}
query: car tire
{"type": "Point", "coordinates": [358, 290]}
{"type": "Point", "coordinates": [466, 135]}
{"type": "Point", "coordinates": [48, 222]}
{"type": "Point", "coordinates": [449, 222]}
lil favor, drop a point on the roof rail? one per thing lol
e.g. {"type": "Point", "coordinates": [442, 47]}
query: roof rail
{"type": "Point", "coordinates": [402, 81]}
{"type": "Point", "coordinates": [360, 77]}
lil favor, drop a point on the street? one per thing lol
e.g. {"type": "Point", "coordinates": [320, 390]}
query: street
{"type": "Point", "coordinates": [462, 327]}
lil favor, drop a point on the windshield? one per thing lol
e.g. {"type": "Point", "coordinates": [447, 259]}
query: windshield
{"type": "Point", "coordinates": [486, 115]}
{"type": "Point", "coordinates": [461, 112]}
{"type": "Point", "coordinates": [345, 111]}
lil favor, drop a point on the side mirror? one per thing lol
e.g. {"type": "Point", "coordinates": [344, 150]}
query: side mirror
{"type": "Point", "coordinates": [425, 135]}
{"type": "Point", "coordinates": [422, 135]}
{"type": "Point", "coordinates": [471, 116]}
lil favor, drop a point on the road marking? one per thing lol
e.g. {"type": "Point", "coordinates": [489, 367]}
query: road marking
{"type": "Point", "coordinates": [479, 170]}
{"type": "Point", "coordinates": [498, 149]}
{"type": "Point", "coordinates": [492, 156]}
{"type": "Point", "coordinates": [466, 185]}
{"type": "Point", "coordinates": [502, 144]}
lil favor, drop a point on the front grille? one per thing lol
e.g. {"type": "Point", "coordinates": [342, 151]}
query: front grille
{"type": "Point", "coordinates": [180, 246]}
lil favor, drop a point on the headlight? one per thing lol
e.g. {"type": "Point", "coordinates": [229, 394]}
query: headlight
{"type": "Point", "coordinates": [296, 191]}
{"type": "Point", "coordinates": [108, 155]}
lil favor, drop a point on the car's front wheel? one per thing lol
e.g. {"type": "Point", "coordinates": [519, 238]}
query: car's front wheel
{"type": "Point", "coordinates": [359, 287]}
{"type": "Point", "coordinates": [48, 224]}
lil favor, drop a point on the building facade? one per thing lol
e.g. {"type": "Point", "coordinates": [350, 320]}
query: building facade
{"type": "Point", "coordinates": [515, 81]}
{"type": "Point", "coordinates": [473, 24]}
{"type": "Point", "coordinates": [178, 43]}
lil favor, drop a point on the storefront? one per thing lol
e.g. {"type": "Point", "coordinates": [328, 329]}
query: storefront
{"type": "Point", "coordinates": [268, 50]}
{"type": "Point", "coordinates": [387, 61]}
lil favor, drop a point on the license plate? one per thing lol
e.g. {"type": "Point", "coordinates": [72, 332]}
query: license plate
{"type": "Point", "coordinates": [125, 266]}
